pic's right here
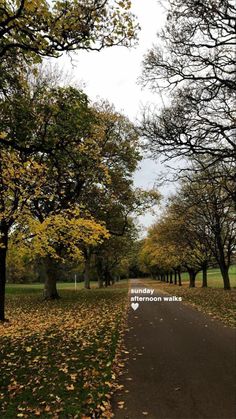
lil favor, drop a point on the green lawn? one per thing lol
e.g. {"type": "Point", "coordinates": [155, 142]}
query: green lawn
{"type": "Point", "coordinates": [214, 278]}
{"type": "Point", "coordinates": [57, 357]}
{"type": "Point", "coordinates": [38, 287]}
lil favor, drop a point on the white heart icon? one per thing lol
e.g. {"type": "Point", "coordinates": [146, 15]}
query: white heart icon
{"type": "Point", "coordinates": [135, 306]}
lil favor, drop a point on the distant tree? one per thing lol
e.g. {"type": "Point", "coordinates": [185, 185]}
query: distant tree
{"type": "Point", "coordinates": [172, 247]}
{"type": "Point", "coordinates": [112, 256]}
{"type": "Point", "coordinates": [213, 216]}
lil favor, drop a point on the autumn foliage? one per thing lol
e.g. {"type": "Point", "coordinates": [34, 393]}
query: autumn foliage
{"type": "Point", "coordinates": [57, 359]}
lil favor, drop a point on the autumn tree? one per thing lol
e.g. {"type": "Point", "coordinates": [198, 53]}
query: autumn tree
{"type": "Point", "coordinates": [21, 179]}
{"type": "Point", "coordinates": [112, 256]}
{"type": "Point", "coordinates": [32, 29]}
{"type": "Point", "coordinates": [115, 201]}
{"type": "Point", "coordinates": [56, 128]}
{"type": "Point", "coordinates": [174, 243]}
{"type": "Point", "coordinates": [47, 29]}
{"type": "Point", "coordinates": [59, 238]}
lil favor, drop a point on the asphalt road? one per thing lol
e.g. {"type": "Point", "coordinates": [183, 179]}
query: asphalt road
{"type": "Point", "coordinates": [181, 364]}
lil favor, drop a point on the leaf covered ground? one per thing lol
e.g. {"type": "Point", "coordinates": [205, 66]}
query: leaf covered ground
{"type": "Point", "coordinates": [216, 302]}
{"type": "Point", "coordinates": [57, 358]}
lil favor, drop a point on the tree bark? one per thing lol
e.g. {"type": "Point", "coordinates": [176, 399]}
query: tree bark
{"type": "Point", "coordinates": [192, 277]}
{"type": "Point", "coordinates": [50, 285]}
{"type": "Point", "coordinates": [3, 254]}
{"type": "Point", "coordinates": [3, 258]}
{"type": "Point", "coordinates": [179, 277]}
{"type": "Point", "coordinates": [87, 270]}
{"type": "Point", "coordinates": [175, 277]}
{"type": "Point", "coordinates": [99, 272]}
{"type": "Point", "coordinates": [107, 279]}
{"type": "Point", "coordinates": [225, 275]}
{"type": "Point", "coordinates": [204, 275]}
{"type": "Point", "coordinates": [167, 277]}
{"type": "Point", "coordinates": [220, 256]}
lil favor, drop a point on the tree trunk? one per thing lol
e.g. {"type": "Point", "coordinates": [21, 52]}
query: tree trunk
{"type": "Point", "coordinates": [50, 284]}
{"type": "Point", "coordinates": [225, 275]}
{"type": "Point", "coordinates": [192, 277]}
{"type": "Point", "coordinates": [3, 258]}
{"type": "Point", "coordinates": [171, 277]}
{"type": "Point", "coordinates": [224, 267]}
{"type": "Point", "coordinates": [179, 277]}
{"type": "Point", "coordinates": [3, 254]}
{"type": "Point", "coordinates": [100, 282]}
{"type": "Point", "coordinates": [87, 270]}
{"type": "Point", "coordinates": [204, 275]}
{"type": "Point", "coordinates": [167, 277]}
{"type": "Point", "coordinates": [99, 272]}
{"type": "Point", "coordinates": [175, 277]}
{"type": "Point", "coordinates": [107, 279]}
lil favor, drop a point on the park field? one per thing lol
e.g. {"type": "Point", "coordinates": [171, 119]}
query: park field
{"type": "Point", "coordinates": [214, 278]}
{"type": "Point", "coordinates": [58, 357]}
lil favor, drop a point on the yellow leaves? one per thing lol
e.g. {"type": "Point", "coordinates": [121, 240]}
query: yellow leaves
{"type": "Point", "coordinates": [3, 135]}
{"type": "Point", "coordinates": [121, 404]}
{"type": "Point", "coordinates": [75, 353]}
{"type": "Point", "coordinates": [70, 387]}
{"type": "Point", "coordinates": [28, 349]}
{"type": "Point", "coordinates": [20, 180]}
{"type": "Point", "coordinates": [68, 229]}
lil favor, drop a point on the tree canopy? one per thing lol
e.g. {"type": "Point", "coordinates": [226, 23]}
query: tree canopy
{"type": "Point", "coordinates": [49, 28]}
{"type": "Point", "coordinates": [194, 61]}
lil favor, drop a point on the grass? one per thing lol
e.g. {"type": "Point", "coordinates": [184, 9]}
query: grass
{"type": "Point", "coordinates": [57, 357]}
{"type": "Point", "coordinates": [38, 287]}
{"type": "Point", "coordinates": [214, 278]}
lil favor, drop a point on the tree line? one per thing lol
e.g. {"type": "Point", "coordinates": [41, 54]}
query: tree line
{"type": "Point", "coordinates": [193, 63]}
{"type": "Point", "coordinates": [196, 230]}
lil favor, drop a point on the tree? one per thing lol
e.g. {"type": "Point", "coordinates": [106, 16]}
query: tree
{"type": "Point", "coordinates": [117, 200]}
{"type": "Point", "coordinates": [215, 215]}
{"type": "Point", "coordinates": [195, 61]}
{"type": "Point", "coordinates": [47, 29]}
{"type": "Point", "coordinates": [57, 239]}
{"type": "Point", "coordinates": [177, 242]}
{"type": "Point", "coordinates": [53, 126]}
{"type": "Point", "coordinates": [21, 180]}
{"type": "Point", "coordinates": [112, 257]}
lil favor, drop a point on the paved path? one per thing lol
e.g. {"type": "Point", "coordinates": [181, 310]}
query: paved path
{"type": "Point", "coordinates": [181, 364]}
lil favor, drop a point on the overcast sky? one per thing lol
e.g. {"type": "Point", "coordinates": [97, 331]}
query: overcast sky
{"type": "Point", "coordinates": [112, 74]}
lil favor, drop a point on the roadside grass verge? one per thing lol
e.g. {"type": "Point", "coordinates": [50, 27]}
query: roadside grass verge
{"type": "Point", "coordinates": [218, 303]}
{"type": "Point", "coordinates": [57, 357]}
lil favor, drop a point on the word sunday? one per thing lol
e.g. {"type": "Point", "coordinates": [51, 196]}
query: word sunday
{"type": "Point", "coordinates": [142, 291]}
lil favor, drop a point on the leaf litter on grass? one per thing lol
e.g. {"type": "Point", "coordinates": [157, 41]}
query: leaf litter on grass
{"type": "Point", "coordinates": [57, 357]}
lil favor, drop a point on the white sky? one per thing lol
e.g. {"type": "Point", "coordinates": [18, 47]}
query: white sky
{"type": "Point", "coordinates": [112, 74]}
